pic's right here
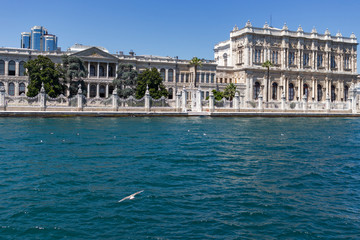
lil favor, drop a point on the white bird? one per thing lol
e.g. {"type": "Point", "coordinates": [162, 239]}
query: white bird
{"type": "Point", "coordinates": [204, 134]}
{"type": "Point", "coordinates": [41, 141]}
{"type": "Point", "coordinates": [132, 196]}
{"type": "Point", "coordinates": [282, 134]}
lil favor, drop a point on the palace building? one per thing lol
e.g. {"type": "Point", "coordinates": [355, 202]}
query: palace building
{"type": "Point", "coordinates": [307, 66]}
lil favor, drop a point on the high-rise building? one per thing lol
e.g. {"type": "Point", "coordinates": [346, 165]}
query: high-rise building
{"type": "Point", "coordinates": [39, 39]}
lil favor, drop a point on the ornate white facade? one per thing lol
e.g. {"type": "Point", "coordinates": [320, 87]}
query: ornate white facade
{"type": "Point", "coordinates": [305, 65]}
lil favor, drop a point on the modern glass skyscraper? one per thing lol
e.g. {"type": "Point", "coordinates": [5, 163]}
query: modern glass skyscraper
{"type": "Point", "coordinates": [39, 39]}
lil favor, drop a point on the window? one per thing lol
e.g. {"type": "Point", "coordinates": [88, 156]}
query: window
{"type": "Point", "coordinates": [170, 93]}
{"type": "Point", "coordinates": [212, 78]}
{"type": "Point", "coordinates": [177, 77]}
{"type": "Point", "coordinates": [274, 57]}
{"type": "Point", "coordinates": [256, 90]}
{"type": "Point", "coordinates": [21, 68]}
{"type": "Point", "coordinates": [162, 74]}
{"type": "Point", "coordinates": [111, 89]}
{"type": "Point", "coordinates": [225, 59]}
{"type": "Point", "coordinates": [101, 71]}
{"type": "Point", "coordinates": [240, 57]}
{"type": "Point", "coordinates": [182, 77]}
{"type": "Point", "coordinates": [346, 93]}
{"type": "Point", "coordinates": [306, 90]}
{"type": "Point", "coordinates": [111, 71]}
{"type": "Point", "coordinates": [333, 96]}
{"type": "Point", "coordinates": [207, 77]}
{"type": "Point", "coordinates": [11, 89]}
{"type": "Point", "coordinates": [306, 59]}
{"type": "Point", "coordinates": [12, 68]}
{"type": "Point", "coordinates": [92, 71]}
{"type": "Point", "coordinates": [346, 62]}
{"type": "Point", "coordinates": [22, 88]}
{"type": "Point", "coordinates": [102, 91]}
{"type": "Point", "coordinates": [197, 79]}
{"type": "Point", "coordinates": [291, 58]}
{"type": "Point", "coordinates": [319, 60]}
{"type": "Point", "coordinates": [274, 91]}
{"type": "Point", "coordinates": [257, 56]}
{"type": "Point", "coordinates": [170, 75]}
{"type": "Point", "coordinates": [187, 78]}
{"type": "Point", "coordinates": [319, 92]}
{"type": "Point", "coordinates": [2, 67]}
{"type": "Point", "coordinates": [333, 62]}
{"type": "Point", "coordinates": [291, 92]}
{"type": "Point", "coordinates": [203, 77]}
{"type": "Point", "coordinates": [92, 90]}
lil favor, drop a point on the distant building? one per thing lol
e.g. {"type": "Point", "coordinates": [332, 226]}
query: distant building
{"type": "Point", "coordinates": [39, 39]}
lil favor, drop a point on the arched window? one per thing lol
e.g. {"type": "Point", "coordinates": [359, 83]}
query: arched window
{"type": "Point", "coordinates": [2, 67]}
{"type": "Point", "coordinates": [346, 93]}
{"type": "Point", "coordinates": [21, 68]}
{"type": "Point", "coordinates": [92, 71]}
{"type": "Point", "coordinates": [12, 68]}
{"type": "Point", "coordinates": [1, 84]}
{"type": "Point", "coordinates": [22, 88]}
{"type": "Point", "coordinates": [291, 92]}
{"type": "Point", "coordinates": [170, 75]}
{"type": "Point", "coordinates": [333, 96]}
{"type": "Point", "coordinates": [92, 90]}
{"type": "Point", "coordinates": [101, 71]}
{"type": "Point", "coordinates": [319, 93]}
{"type": "Point", "coordinates": [111, 71]}
{"type": "Point", "coordinates": [162, 74]}
{"type": "Point", "coordinates": [274, 91]}
{"type": "Point", "coordinates": [111, 89]}
{"type": "Point", "coordinates": [256, 90]}
{"type": "Point", "coordinates": [306, 90]}
{"type": "Point", "coordinates": [11, 89]}
{"type": "Point", "coordinates": [170, 93]}
{"type": "Point", "coordinates": [225, 59]}
{"type": "Point", "coordinates": [102, 91]}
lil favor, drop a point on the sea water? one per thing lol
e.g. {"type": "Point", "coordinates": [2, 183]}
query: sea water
{"type": "Point", "coordinates": [203, 178]}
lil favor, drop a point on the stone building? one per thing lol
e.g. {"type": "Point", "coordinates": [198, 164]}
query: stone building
{"type": "Point", "coordinates": [307, 66]}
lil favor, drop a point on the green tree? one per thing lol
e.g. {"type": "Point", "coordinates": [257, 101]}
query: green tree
{"type": "Point", "coordinates": [126, 81]}
{"type": "Point", "coordinates": [43, 70]}
{"type": "Point", "coordinates": [229, 92]}
{"type": "Point", "coordinates": [152, 79]}
{"type": "Point", "coordinates": [73, 71]}
{"type": "Point", "coordinates": [267, 65]}
{"type": "Point", "coordinates": [195, 62]}
{"type": "Point", "coordinates": [218, 95]}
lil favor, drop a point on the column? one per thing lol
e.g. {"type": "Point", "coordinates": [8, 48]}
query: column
{"type": "Point", "coordinates": [88, 91]}
{"type": "Point", "coordinates": [98, 68]}
{"type": "Point", "coordinates": [286, 89]}
{"type": "Point", "coordinates": [116, 70]}
{"type": "Point", "coordinates": [107, 91]}
{"type": "Point", "coordinates": [97, 90]}
{"type": "Point", "coordinates": [6, 68]}
{"type": "Point", "coordinates": [251, 90]}
{"type": "Point", "coordinates": [17, 69]}
{"type": "Point", "coordinates": [313, 88]}
{"type": "Point", "coordinates": [88, 69]}
{"type": "Point", "coordinates": [16, 89]}
{"type": "Point", "coordinates": [166, 75]}
{"type": "Point", "coordinates": [107, 70]}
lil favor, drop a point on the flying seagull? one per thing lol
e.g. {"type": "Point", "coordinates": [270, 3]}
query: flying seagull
{"type": "Point", "coordinates": [132, 196]}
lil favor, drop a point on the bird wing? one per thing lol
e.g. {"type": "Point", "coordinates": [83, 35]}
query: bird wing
{"type": "Point", "coordinates": [124, 198]}
{"type": "Point", "coordinates": [131, 196]}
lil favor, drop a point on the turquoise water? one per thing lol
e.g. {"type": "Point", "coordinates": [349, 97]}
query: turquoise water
{"type": "Point", "coordinates": [203, 178]}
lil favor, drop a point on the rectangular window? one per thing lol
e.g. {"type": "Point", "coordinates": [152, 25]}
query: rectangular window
{"type": "Point", "coordinates": [212, 78]}
{"type": "Point", "coordinates": [182, 77]}
{"type": "Point", "coordinates": [306, 59]}
{"type": "Point", "coordinates": [257, 56]}
{"type": "Point", "coordinates": [240, 57]}
{"type": "Point", "coordinates": [319, 60]}
{"type": "Point", "coordinates": [177, 77]}
{"type": "Point", "coordinates": [332, 62]}
{"type": "Point", "coordinates": [274, 57]}
{"type": "Point", "coordinates": [291, 58]}
{"type": "Point", "coordinates": [203, 77]}
{"type": "Point", "coordinates": [207, 78]}
{"type": "Point", "coordinates": [346, 62]}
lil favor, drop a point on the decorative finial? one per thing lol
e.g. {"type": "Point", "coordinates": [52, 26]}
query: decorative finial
{"type": "Point", "coordinates": [147, 90]}
{"type": "Point", "coordinates": [300, 29]}
{"type": "Point", "coordinates": [313, 30]}
{"type": "Point", "coordinates": [352, 36]}
{"type": "Point", "coordinates": [79, 89]}
{"type": "Point", "coordinates": [42, 87]}
{"type": "Point", "coordinates": [327, 32]}
{"type": "Point", "coordinates": [235, 28]}
{"type": "Point", "coordinates": [339, 34]}
{"type": "Point", "coordinates": [285, 27]}
{"type": "Point", "coordinates": [248, 24]}
{"type": "Point", "coordinates": [266, 25]}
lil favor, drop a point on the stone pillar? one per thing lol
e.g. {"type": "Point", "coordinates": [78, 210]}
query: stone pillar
{"type": "Point", "coordinates": [327, 102]}
{"type": "Point", "coordinates": [2, 98]}
{"type": "Point", "coordinates": [6, 65]}
{"type": "Point", "coordinates": [166, 75]}
{"type": "Point", "coordinates": [98, 70]}
{"type": "Point", "coordinates": [242, 101]}
{"type": "Point", "coordinates": [97, 90]}
{"type": "Point", "coordinates": [88, 91]}
{"type": "Point", "coordinates": [107, 91]}
{"type": "Point", "coordinates": [184, 100]}
{"type": "Point", "coordinates": [16, 70]}
{"type": "Point", "coordinates": [107, 70]}
{"type": "Point", "coordinates": [283, 101]}
{"type": "Point", "coordinates": [236, 102]}
{"type": "Point", "coordinates": [79, 99]}
{"type": "Point", "coordinates": [116, 70]}
{"type": "Point", "coordinates": [260, 99]}
{"type": "Point", "coordinates": [353, 94]}
{"type": "Point", "coordinates": [304, 102]}
{"type": "Point", "coordinates": [16, 85]}
{"type": "Point", "coordinates": [88, 69]}
{"type": "Point", "coordinates": [147, 100]}
{"type": "Point", "coordinates": [178, 101]}
{"type": "Point", "coordinates": [211, 102]}
{"type": "Point", "coordinates": [198, 100]}
{"type": "Point", "coordinates": [115, 100]}
{"type": "Point", "coordinates": [42, 98]}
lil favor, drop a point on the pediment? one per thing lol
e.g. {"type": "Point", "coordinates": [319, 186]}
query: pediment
{"type": "Point", "coordinates": [95, 53]}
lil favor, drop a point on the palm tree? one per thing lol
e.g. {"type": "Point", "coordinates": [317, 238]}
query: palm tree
{"type": "Point", "coordinates": [196, 62]}
{"type": "Point", "coordinates": [267, 64]}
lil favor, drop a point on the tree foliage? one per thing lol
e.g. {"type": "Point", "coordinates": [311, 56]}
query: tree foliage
{"type": "Point", "coordinates": [73, 71]}
{"type": "Point", "coordinates": [126, 81]}
{"type": "Point", "coordinates": [152, 79]}
{"type": "Point", "coordinates": [43, 70]}
{"type": "Point", "coordinates": [218, 95]}
{"type": "Point", "coordinates": [195, 62]}
{"type": "Point", "coordinates": [229, 92]}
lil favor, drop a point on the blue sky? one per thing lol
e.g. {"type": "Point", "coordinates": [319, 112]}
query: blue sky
{"type": "Point", "coordinates": [168, 27]}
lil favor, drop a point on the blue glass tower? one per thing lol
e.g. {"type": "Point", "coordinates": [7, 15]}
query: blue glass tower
{"type": "Point", "coordinates": [25, 40]}
{"type": "Point", "coordinates": [50, 42]}
{"type": "Point", "coordinates": [39, 39]}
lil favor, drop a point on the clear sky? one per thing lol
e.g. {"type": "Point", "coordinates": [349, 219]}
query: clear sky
{"type": "Point", "coordinates": [184, 28]}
